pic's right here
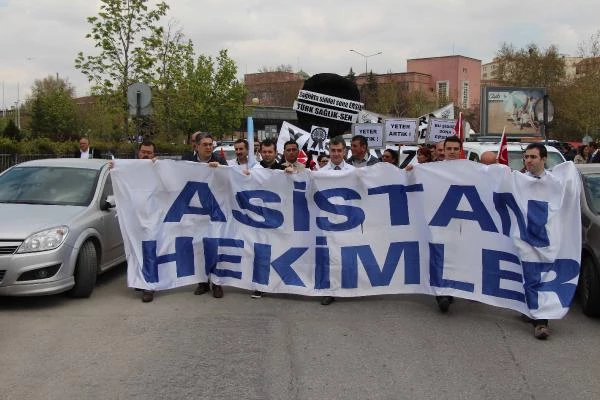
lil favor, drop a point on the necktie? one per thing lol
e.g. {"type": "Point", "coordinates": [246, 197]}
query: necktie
{"type": "Point", "coordinates": [337, 168]}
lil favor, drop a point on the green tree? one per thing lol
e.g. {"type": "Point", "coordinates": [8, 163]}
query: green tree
{"type": "Point", "coordinates": [11, 131]}
{"type": "Point", "coordinates": [127, 34]}
{"type": "Point", "coordinates": [52, 109]}
{"type": "Point", "coordinates": [529, 66]}
{"type": "Point", "coordinates": [211, 96]}
{"type": "Point", "coordinates": [174, 55]}
{"type": "Point", "coordinates": [578, 101]}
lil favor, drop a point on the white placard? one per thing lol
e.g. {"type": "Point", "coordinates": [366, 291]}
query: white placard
{"type": "Point", "coordinates": [372, 132]}
{"type": "Point", "coordinates": [401, 130]}
{"type": "Point", "coordinates": [440, 129]}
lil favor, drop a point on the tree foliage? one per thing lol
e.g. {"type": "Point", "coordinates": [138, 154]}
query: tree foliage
{"type": "Point", "coordinates": [11, 131]}
{"type": "Point", "coordinates": [529, 66]}
{"type": "Point", "coordinates": [127, 34]}
{"type": "Point", "coordinates": [53, 112]}
{"type": "Point", "coordinates": [211, 96]}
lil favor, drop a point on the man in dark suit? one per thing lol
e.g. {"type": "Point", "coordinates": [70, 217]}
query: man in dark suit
{"type": "Point", "coordinates": [191, 155]}
{"type": "Point", "coordinates": [85, 151]}
{"type": "Point", "coordinates": [204, 154]}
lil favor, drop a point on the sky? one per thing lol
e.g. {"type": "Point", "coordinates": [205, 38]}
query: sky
{"type": "Point", "coordinates": [43, 37]}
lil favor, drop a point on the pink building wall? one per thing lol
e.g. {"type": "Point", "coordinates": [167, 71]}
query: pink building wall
{"type": "Point", "coordinates": [455, 70]}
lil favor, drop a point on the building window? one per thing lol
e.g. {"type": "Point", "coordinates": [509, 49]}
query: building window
{"type": "Point", "coordinates": [443, 89]}
{"type": "Point", "coordinates": [465, 94]}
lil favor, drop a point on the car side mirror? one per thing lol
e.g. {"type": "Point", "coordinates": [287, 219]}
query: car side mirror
{"type": "Point", "coordinates": [108, 203]}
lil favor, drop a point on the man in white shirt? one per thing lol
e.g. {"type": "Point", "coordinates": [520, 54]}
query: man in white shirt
{"type": "Point", "coordinates": [337, 153]}
{"type": "Point", "coordinates": [241, 154]}
{"type": "Point", "coordinates": [84, 152]}
{"type": "Point", "coordinates": [535, 160]}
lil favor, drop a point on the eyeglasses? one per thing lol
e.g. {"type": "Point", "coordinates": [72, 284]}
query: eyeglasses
{"type": "Point", "coordinates": [323, 162]}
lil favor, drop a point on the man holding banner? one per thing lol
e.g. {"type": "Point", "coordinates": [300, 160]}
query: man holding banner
{"type": "Point", "coordinates": [360, 153]}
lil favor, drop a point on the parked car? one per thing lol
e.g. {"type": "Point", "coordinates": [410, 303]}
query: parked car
{"type": "Point", "coordinates": [473, 151]}
{"type": "Point", "coordinates": [59, 227]}
{"type": "Point", "coordinates": [589, 276]}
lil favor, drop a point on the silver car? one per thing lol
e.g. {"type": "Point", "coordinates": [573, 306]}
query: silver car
{"type": "Point", "coordinates": [58, 227]}
{"type": "Point", "coordinates": [589, 277]}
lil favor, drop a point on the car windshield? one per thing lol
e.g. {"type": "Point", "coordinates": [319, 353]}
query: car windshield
{"type": "Point", "coordinates": [515, 160]}
{"type": "Point", "coordinates": [591, 185]}
{"type": "Point", "coordinates": [48, 185]}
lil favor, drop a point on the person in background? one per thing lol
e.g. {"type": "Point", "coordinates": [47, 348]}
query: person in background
{"type": "Point", "coordinates": [488, 158]}
{"type": "Point", "coordinates": [583, 153]}
{"type": "Point", "coordinates": [191, 155]}
{"type": "Point", "coordinates": [85, 151]}
{"type": "Point", "coordinates": [241, 154]}
{"type": "Point", "coordinates": [424, 155]}
{"type": "Point", "coordinates": [439, 151]}
{"type": "Point", "coordinates": [390, 156]}
{"type": "Point", "coordinates": [322, 160]}
{"type": "Point", "coordinates": [360, 153]}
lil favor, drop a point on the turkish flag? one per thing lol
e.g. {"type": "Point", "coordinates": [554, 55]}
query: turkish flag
{"type": "Point", "coordinates": [302, 157]}
{"type": "Point", "coordinates": [502, 155]}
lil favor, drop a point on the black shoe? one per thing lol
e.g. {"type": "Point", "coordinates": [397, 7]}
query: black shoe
{"type": "Point", "coordinates": [202, 288]}
{"type": "Point", "coordinates": [217, 291]}
{"type": "Point", "coordinates": [444, 302]}
{"type": "Point", "coordinates": [327, 300]}
{"type": "Point", "coordinates": [147, 296]}
{"type": "Point", "coordinates": [257, 294]}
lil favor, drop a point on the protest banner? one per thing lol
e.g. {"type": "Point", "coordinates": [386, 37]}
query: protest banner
{"type": "Point", "coordinates": [454, 228]}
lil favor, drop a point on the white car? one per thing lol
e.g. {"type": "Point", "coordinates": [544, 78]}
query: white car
{"type": "Point", "coordinates": [473, 151]}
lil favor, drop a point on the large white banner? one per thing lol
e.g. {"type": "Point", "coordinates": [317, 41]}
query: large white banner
{"type": "Point", "coordinates": [448, 228]}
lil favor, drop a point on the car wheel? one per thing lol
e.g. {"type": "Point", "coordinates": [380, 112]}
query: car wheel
{"type": "Point", "coordinates": [589, 290]}
{"type": "Point", "coordinates": [86, 271]}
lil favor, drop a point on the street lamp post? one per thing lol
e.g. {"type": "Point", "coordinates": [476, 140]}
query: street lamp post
{"type": "Point", "coordinates": [366, 57]}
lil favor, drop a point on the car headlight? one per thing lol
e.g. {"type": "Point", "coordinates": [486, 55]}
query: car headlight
{"type": "Point", "coordinates": [45, 240]}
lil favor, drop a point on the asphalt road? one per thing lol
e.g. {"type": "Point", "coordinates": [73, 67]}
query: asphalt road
{"type": "Point", "coordinates": [181, 346]}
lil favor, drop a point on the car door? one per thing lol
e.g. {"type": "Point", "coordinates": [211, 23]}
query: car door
{"type": "Point", "coordinates": [114, 250]}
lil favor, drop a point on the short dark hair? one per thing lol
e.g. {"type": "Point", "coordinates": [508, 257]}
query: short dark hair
{"type": "Point", "coordinates": [147, 143]}
{"type": "Point", "coordinates": [201, 136]}
{"type": "Point", "coordinates": [321, 156]}
{"type": "Point", "coordinates": [241, 141]}
{"type": "Point", "coordinates": [541, 148]}
{"type": "Point", "coordinates": [454, 139]}
{"type": "Point", "coordinates": [337, 140]}
{"type": "Point", "coordinates": [268, 142]}
{"type": "Point", "coordinates": [361, 139]}
{"type": "Point", "coordinates": [291, 141]}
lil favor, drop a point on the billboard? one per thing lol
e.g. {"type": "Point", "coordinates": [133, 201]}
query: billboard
{"type": "Point", "coordinates": [511, 107]}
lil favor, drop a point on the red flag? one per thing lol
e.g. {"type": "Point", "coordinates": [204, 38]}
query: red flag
{"type": "Point", "coordinates": [302, 158]}
{"type": "Point", "coordinates": [222, 153]}
{"type": "Point", "coordinates": [502, 155]}
{"type": "Point", "coordinates": [458, 131]}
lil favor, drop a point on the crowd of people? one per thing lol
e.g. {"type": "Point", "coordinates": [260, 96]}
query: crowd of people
{"type": "Point", "coordinates": [266, 157]}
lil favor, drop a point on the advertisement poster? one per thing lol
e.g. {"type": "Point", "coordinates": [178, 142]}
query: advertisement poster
{"type": "Point", "coordinates": [510, 107]}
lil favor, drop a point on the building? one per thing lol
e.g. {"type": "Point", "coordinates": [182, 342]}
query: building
{"type": "Point", "coordinates": [275, 88]}
{"type": "Point", "coordinates": [455, 78]}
